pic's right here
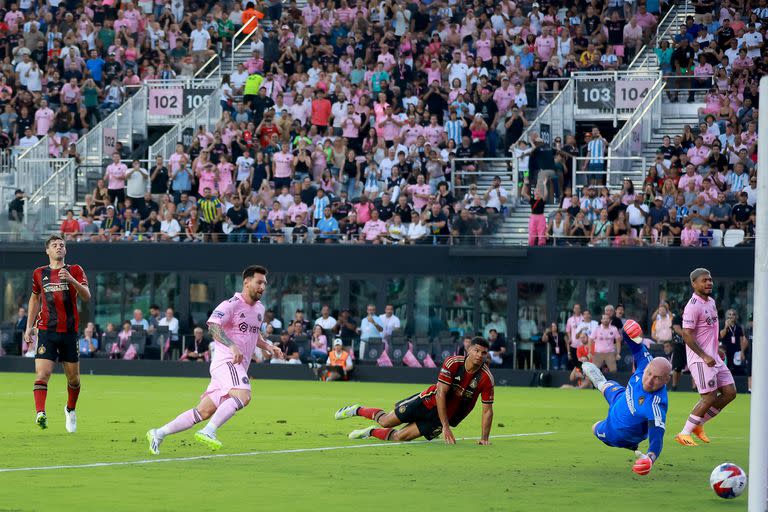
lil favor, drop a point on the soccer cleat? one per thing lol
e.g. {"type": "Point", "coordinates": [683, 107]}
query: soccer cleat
{"type": "Point", "coordinates": [699, 432]}
{"type": "Point", "coordinates": [71, 420]}
{"type": "Point", "coordinates": [685, 440]}
{"type": "Point", "coordinates": [208, 440]}
{"type": "Point", "coordinates": [154, 442]}
{"type": "Point", "coordinates": [349, 411]}
{"type": "Point", "coordinates": [363, 433]}
{"type": "Point", "coordinates": [594, 374]}
{"type": "Point", "coordinates": [41, 420]}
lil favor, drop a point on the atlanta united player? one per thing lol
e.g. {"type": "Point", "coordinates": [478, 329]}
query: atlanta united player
{"type": "Point", "coordinates": [53, 312]}
{"type": "Point", "coordinates": [711, 376]}
{"type": "Point", "coordinates": [235, 327]}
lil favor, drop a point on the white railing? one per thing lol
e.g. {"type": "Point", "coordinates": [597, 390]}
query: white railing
{"type": "Point", "coordinates": [638, 130]}
{"type": "Point", "coordinates": [610, 173]}
{"type": "Point", "coordinates": [53, 182]}
{"type": "Point", "coordinates": [668, 26]}
{"type": "Point", "coordinates": [207, 115]}
{"type": "Point", "coordinates": [484, 170]}
{"type": "Point", "coordinates": [244, 38]}
{"type": "Point", "coordinates": [557, 115]}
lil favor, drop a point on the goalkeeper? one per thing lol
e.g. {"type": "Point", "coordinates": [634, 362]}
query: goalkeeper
{"type": "Point", "coordinates": [639, 410]}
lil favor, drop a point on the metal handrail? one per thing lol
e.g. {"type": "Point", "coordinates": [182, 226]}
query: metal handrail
{"type": "Point", "coordinates": [527, 132]}
{"type": "Point", "coordinates": [237, 47]}
{"type": "Point", "coordinates": [637, 117]}
{"type": "Point", "coordinates": [650, 44]}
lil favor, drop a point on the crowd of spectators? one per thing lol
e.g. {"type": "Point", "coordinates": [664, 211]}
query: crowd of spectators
{"type": "Point", "coordinates": [354, 129]}
{"type": "Point", "coordinates": [65, 65]}
{"type": "Point", "coordinates": [702, 186]}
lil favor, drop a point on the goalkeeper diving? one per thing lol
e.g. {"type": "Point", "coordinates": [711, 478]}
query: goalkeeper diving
{"type": "Point", "coordinates": [639, 410]}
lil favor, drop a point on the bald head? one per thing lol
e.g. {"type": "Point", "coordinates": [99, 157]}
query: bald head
{"type": "Point", "coordinates": [656, 374]}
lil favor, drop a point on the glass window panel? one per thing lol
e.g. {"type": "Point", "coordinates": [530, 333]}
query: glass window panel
{"type": "Point", "coordinates": [635, 300]}
{"type": "Point", "coordinates": [567, 296]}
{"type": "Point", "coordinates": [741, 295]}
{"type": "Point", "coordinates": [202, 299]}
{"type": "Point", "coordinates": [398, 289]}
{"type": "Point", "coordinates": [167, 291]}
{"type": "Point", "coordinates": [108, 294]}
{"type": "Point", "coordinates": [326, 292]}
{"type": "Point", "coordinates": [460, 310]}
{"type": "Point", "coordinates": [493, 305]}
{"type": "Point", "coordinates": [293, 294]}
{"type": "Point", "coordinates": [16, 290]}
{"type": "Point", "coordinates": [597, 297]}
{"type": "Point", "coordinates": [532, 309]}
{"type": "Point", "coordinates": [361, 293]}
{"type": "Point", "coordinates": [675, 294]}
{"type": "Point", "coordinates": [137, 293]}
{"type": "Point", "coordinates": [428, 307]}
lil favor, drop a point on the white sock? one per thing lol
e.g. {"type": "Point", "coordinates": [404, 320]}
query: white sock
{"type": "Point", "coordinates": [209, 429]}
{"type": "Point", "coordinates": [602, 385]}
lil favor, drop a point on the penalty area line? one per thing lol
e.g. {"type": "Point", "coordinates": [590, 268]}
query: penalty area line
{"type": "Point", "coordinates": [257, 453]}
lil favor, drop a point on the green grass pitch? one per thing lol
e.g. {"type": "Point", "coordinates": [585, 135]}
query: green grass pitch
{"type": "Point", "coordinates": [566, 470]}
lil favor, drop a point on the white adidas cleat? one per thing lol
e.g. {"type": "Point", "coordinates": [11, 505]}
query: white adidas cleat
{"type": "Point", "coordinates": [41, 420]}
{"type": "Point", "coordinates": [154, 442]}
{"type": "Point", "coordinates": [363, 433]}
{"type": "Point", "coordinates": [349, 411]}
{"type": "Point", "coordinates": [71, 420]}
{"type": "Point", "coordinates": [594, 374]}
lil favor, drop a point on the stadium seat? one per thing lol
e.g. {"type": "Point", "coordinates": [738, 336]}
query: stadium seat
{"type": "Point", "coordinates": [274, 338]}
{"type": "Point", "coordinates": [717, 238]}
{"type": "Point", "coordinates": [397, 350]}
{"type": "Point", "coordinates": [373, 349]}
{"type": "Point", "coordinates": [733, 237]}
{"type": "Point", "coordinates": [304, 345]}
{"type": "Point", "coordinates": [422, 347]}
{"type": "Point", "coordinates": [443, 349]}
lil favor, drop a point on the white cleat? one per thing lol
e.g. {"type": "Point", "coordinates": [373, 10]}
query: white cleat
{"type": "Point", "coordinates": [347, 412]}
{"type": "Point", "coordinates": [71, 420]}
{"type": "Point", "coordinates": [363, 433]}
{"type": "Point", "coordinates": [41, 420]}
{"type": "Point", "coordinates": [154, 442]}
{"type": "Point", "coordinates": [594, 374]}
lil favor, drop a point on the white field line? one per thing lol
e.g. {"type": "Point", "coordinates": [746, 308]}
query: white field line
{"type": "Point", "coordinates": [254, 454]}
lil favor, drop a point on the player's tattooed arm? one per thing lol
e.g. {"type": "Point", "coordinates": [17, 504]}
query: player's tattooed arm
{"type": "Point", "coordinates": [218, 334]}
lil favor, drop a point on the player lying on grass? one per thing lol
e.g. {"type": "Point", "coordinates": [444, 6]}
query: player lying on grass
{"type": "Point", "coordinates": [639, 410]}
{"type": "Point", "coordinates": [462, 379]}
{"type": "Point", "coordinates": [235, 327]}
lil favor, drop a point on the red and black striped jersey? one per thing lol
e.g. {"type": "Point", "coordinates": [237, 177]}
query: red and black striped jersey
{"type": "Point", "coordinates": [465, 388]}
{"type": "Point", "coordinates": [58, 308]}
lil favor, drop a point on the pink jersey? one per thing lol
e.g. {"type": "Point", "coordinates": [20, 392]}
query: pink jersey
{"type": "Point", "coordinates": [116, 176]}
{"type": "Point", "coordinates": [282, 164]}
{"type": "Point", "coordinates": [605, 339]}
{"type": "Point", "coordinates": [241, 324]}
{"type": "Point", "coordinates": [700, 315]}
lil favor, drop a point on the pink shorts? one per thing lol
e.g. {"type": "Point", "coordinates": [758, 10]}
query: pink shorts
{"type": "Point", "coordinates": [227, 376]}
{"type": "Point", "coordinates": [708, 379]}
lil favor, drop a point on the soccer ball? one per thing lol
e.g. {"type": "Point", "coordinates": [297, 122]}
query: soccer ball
{"type": "Point", "coordinates": [634, 331]}
{"type": "Point", "coordinates": [728, 480]}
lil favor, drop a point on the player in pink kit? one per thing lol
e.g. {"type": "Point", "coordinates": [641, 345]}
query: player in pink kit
{"type": "Point", "coordinates": [235, 327]}
{"type": "Point", "coordinates": [712, 378]}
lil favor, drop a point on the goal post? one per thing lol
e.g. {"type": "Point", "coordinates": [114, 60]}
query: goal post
{"type": "Point", "coordinates": [758, 425]}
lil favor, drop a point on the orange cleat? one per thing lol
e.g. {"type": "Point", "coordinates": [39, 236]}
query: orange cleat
{"type": "Point", "coordinates": [685, 440]}
{"type": "Point", "coordinates": [699, 432]}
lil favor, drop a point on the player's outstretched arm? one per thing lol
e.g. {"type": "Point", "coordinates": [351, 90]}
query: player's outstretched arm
{"type": "Point", "coordinates": [442, 411]}
{"type": "Point", "coordinates": [487, 421]}
{"type": "Point", "coordinates": [639, 352]}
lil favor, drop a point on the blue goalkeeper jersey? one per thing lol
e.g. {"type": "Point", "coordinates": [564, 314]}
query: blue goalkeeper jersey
{"type": "Point", "coordinates": [638, 415]}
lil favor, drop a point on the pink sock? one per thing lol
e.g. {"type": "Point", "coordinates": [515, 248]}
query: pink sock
{"type": "Point", "coordinates": [711, 413]}
{"type": "Point", "coordinates": [692, 423]}
{"type": "Point", "coordinates": [224, 412]}
{"type": "Point", "coordinates": [182, 422]}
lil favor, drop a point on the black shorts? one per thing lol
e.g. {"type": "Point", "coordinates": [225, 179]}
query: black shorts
{"type": "Point", "coordinates": [57, 346]}
{"type": "Point", "coordinates": [413, 410]}
{"type": "Point", "coordinates": [116, 194]}
{"type": "Point", "coordinates": [679, 359]}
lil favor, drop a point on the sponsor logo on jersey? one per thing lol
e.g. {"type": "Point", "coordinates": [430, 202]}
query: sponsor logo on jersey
{"type": "Point", "coordinates": [218, 314]}
{"type": "Point", "coordinates": [244, 327]}
{"type": "Point", "coordinates": [55, 287]}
